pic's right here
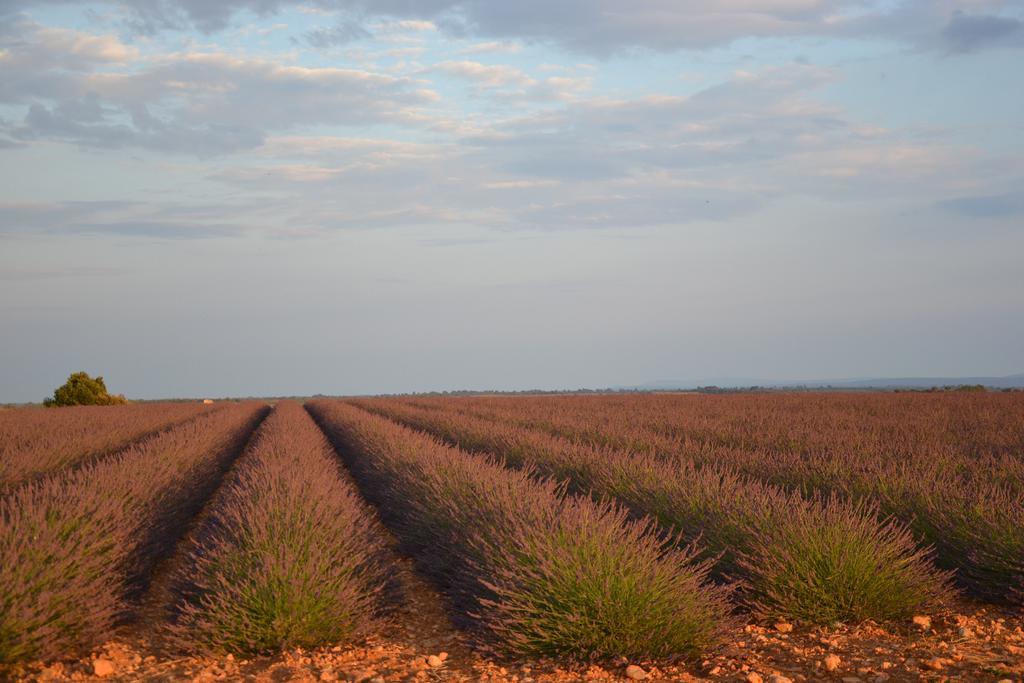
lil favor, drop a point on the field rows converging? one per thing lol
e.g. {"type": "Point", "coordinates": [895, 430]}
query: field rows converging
{"type": "Point", "coordinates": [538, 570]}
{"type": "Point", "coordinates": [288, 554]}
{"type": "Point", "coordinates": [561, 529]}
{"type": "Point", "coordinates": [816, 559]}
{"type": "Point", "coordinates": [962, 497]}
{"type": "Point", "coordinates": [78, 547]}
{"type": "Point", "coordinates": [897, 425]}
{"type": "Point", "coordinates": [35, 441]}
{"type": "Point", "coordinates": [808, 443]}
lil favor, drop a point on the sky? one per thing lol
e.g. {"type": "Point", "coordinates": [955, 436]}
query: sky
{"type": "Point", "coordinates": [268, 197]}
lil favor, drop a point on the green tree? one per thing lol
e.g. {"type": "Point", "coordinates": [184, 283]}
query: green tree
{"type": "Point", "coordinates": [83, 390]}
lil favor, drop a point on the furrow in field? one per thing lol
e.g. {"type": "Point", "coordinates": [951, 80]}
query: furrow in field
{"type": "Point", "coordinates": [77, 548]}
{"type": "Point", "coordinates": [536, 570]}
{"type": "Point", "coordinates": [816, 559]}
{"type": "Point", "coordinates": [35, 442]}
{"type": "Point", "coordinates": [902, 426]}
{"type": "Point", "coordinates": [966, 502]}
{"type": "Point", "coordinates": [286, 554]}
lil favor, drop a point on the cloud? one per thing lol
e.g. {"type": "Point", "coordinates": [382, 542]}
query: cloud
{"type": "Point", "coordinates": [604, 27]}
{"type": "Point", "coordinates": [491, 46]}
{"type": "Point", "coordinates": [339, 34]}
{"type": "Point", "coordinates": [61, 123]}
{"type": "Point", "coordinates": [128, 219]}
{"type": "Point", "coordinates": [599, 26]}
{"type": "Point", "coordinates": [202, 103]}
{"type": "Point", "coordinates": [974, 32]}
{"type": "Point", "coordinates": [986, 206]}
{"type": "Point", "coordinates": [488, 75]}
{"type": "Point", "coordinates": [60, 272]}
{"type": "Point", "coordinates": [414, 25]}
{"type": "Point", "coordinates": [49, 47]}
{"type": "Point", "coordinates": [948, 27]}
{"type": "Point", "coordinates": [608, 164]}
{"type": "Point", "coordinates": [539, 152]}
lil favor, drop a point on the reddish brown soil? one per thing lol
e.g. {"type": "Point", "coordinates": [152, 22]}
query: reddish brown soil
{"type": "Point", "coordinates": [966, 644]}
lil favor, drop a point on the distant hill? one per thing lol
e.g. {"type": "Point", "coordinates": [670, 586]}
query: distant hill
{"type": "Point", "coordinates": [1007, 382]}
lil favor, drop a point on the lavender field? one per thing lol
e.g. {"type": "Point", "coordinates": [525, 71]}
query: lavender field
{"type": "Point", "coordinates": [659, 529]}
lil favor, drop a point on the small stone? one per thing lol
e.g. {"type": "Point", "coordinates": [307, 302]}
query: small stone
{"type": "Point", "coordinates": [965, 632]}
{"type": "Point", "coordinates": [328, 675]}
{"type": "Point", "coordinates": [634, 672]}
{"type": "Point", "coordinates": [443, 656]}
{"type": "Point", "coordinates": [832, 662]}
{"type": "Point", "coordinates": [779, 678]}
{"type": "Point", "coordinates": [754, 677]}
{"type": "Point", "coordinates": [851, 679]}
{"type": "Point", "coordinates": [881, 678]}
{"type": "Point", "coordinates": [922, 622]}
{"type": "Point", "coordinates": [783, 627]}
{"type": "Point", "coordinates": [377, 679]}
{"type": "Point", "coordinates": [434, 661]}
{"type": "Point", "coordinates": [935, 663]}
{"type": "Point", "coordinates": [103, 667]}
{"type": "Point", "coordinates": [52, 673]}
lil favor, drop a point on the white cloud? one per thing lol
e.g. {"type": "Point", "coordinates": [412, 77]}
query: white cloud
{"type": "Point", "coordinates": [192, 102]}
{"type": "Point", "coordinates": [414, 25]}
{"type": "Point", "coordinates": [606, 26]}
{"type": "Point", "coordinates": [491, 46]}
{"type": "Point", "coordinates": [599, 163]}
{"type": "Point", "coordinates": [489, 75]}
{"type": "Point", "coordinates": [538, 151]}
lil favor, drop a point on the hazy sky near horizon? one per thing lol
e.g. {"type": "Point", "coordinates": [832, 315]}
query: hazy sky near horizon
{"type": "Point", "coordinates": [268, 197]}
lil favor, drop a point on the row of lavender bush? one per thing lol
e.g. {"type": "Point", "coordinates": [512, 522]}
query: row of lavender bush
{"type": "Point", "coordinates": [34, 441]}
{"type": "Point", "coordinates": [947, 466]}
{"type": "Point", "coordinates": [78, 546]}
{"type": "Point", "coordinates": [289, 556]}
{"type": "Point", "coordinates": [814, 559]}
{"type": "Point", "coordinates": [539, 571]}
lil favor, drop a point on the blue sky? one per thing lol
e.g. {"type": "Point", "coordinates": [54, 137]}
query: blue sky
{"type": "Point", "coordinates": [271, 197]}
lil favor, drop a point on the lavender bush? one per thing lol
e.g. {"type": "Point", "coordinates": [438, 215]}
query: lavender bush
{"type": "Point", "coordinates": [77, 546]}
{"type": "Point", "coordinates": [34, 441]}
{"type": "Point", "coordinates": [539, 571]}
{"type": "Point", "coordinates": [839, 556]}
{"type": "Point", "coordinates": [290, 555]}
{"type": "Point", "coordinates": [947, 465]}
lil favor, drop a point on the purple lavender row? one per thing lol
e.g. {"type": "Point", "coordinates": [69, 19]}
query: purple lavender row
{"type": "Point", "coordinates": [537, 571]}
{"type": "Point", "coordinates": [77, 547]}
{"type": "Point", "coordinates": [814, 559]}
{"type": "Point", "coordinates": [34, 441]}
{"type": "Point", "coordinates": [290, 555]}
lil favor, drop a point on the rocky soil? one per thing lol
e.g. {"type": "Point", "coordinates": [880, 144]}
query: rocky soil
{"type": "Point", "coordinates": [964, 644]}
